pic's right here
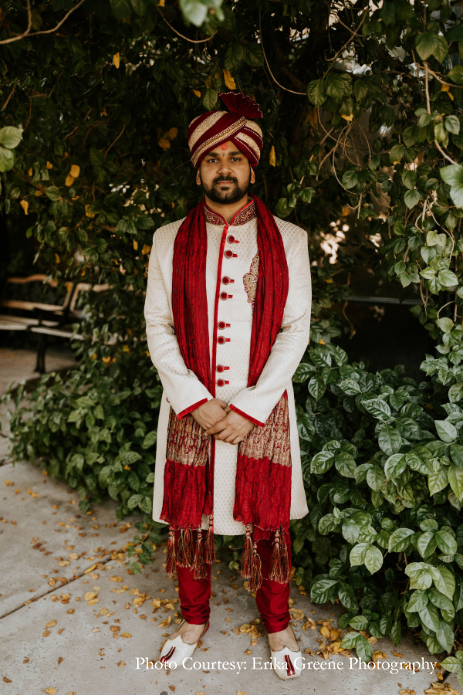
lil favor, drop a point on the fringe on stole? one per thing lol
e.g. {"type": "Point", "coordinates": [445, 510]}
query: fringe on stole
{"type": "Point", "coordinates": [182, 552]}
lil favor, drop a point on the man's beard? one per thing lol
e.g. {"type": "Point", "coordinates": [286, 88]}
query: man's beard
{"type": "Point", "coordinates": [229, 196]}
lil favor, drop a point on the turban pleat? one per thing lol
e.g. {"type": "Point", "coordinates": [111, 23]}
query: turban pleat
{"type": "Point", "coordinates": [215, 127]}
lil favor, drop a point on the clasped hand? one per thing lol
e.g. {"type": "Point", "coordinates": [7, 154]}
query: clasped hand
{"type": "Point", "coordinates": [217, 419]}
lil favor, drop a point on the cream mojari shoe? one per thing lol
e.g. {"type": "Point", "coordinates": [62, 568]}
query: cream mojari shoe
{"type": "Point", "coordinates": [284, 662]}
{"type": "Point", "coordinates": [175, 651]}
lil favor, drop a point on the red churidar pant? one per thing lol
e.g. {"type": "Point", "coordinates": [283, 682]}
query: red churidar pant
{"type": "Point", "coordinates": [271, 598]}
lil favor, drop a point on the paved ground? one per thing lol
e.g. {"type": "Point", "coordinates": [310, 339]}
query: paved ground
{"type": "Point", "coordinates": [70, 608]}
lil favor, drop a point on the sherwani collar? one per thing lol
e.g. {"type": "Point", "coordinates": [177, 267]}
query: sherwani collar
{"type": "Point", "coordinates": [245, 214]}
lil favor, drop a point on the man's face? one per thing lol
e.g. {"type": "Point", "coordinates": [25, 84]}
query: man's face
{"type": "Point", "coordinates": [225, 174]}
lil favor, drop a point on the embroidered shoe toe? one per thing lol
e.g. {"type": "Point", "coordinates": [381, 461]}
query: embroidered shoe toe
{"type": "Point", "coordinates": [287, 663]}
{"type": "Point", "coordinates": [175, 651]}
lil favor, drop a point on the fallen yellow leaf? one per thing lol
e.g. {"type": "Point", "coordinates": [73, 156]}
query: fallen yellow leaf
{"type": "Point", "coordinates": [51, 623]}
{"type": "Point", "coordinates": [89, 214]}
{"type": "Point", "coordinates": [166, 622]}
{"type": "Point", "coordinates": [49, 165]}
{"type": "Point", "coordinates": [229, 81]}
{"type": "Point", "coordinates": [272, 158]}
{"type": "Point", "coordinates": [25, 206]}
{"type": "Point", "coordinates": [313, 113]}
{"type": "Point", "coordinates": [164, 143]}
{"type": "Point", "coordinates": [146, 249]}
{"type": "Point", "coordinates": [172, 133]}
{"type": "Point", "coordinates": [75, 170]}
{"type": "Point", "coordinates": [135, 246]}
{"type": "Point", "coordinates": [296, 613]}
{"type": "Point", "coordinates": [197, 93]}
{"type": "Point", "coordinates": [117, 59]}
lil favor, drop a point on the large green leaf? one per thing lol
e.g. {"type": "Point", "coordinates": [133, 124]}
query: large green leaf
{"type": "Point", "coordinates": [121, 8]}
{"type": "Point", "coordinates": [418, 601]}
{"type": "Point", "coordinates": [322, 462]}
{"type": "Point", "coordinates": [194, 11]}
{"type": "Point", "coordinates": [322, 590]}
{"type": "Point", "coordinates": [375, 478]}
{"type": "Point", "coordinates": [378, 408]}
{"type": "Point", "coordinates": [429, 616]}
{"type": "Point", "coordinates": [389, 440]}
{"type": "Point", "coordinates": [427, 544]}
{"type": "Point", "coordinates": [455, 476]}
{"type": "Point", "coordinates": [6, 159]}
{"type": "Point", "coordinates": [445, 635]}
{"type": "Point", "coordinates": [437, 481]}
{"type": "Point", "coordinates": [411, 198]}
{"type": "Point", "coordinates": [234, 55]}
{"type": "Point", "coordinates": [334, 85]}
{"type": "Point", "coordinates": [394, 466]}
{"type": "Point", "coordinates": [373, 559]}
{"type": "Point", "coordinates": [316, 92]}
{"type": "Point", "coordinates": [345, 464]}
{"type": "Point", "coordinates": [400, 540]}
{"type": "Point", "coordinates": [446, 542]}
{"type": "Point", "coordinates": [446, 431]}
{"type": "Point", "coordinates": [357, 554]}
{"type": "Point", "coordinates": [10, 136]}
{"type": "Point", "coordinates": [428, 44]}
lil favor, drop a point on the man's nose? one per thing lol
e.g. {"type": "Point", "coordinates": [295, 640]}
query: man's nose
{"type": "Point", "coordinates": [224, 167]}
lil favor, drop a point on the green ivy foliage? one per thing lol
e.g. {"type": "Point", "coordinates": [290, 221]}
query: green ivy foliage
{"type": "Point", "coordinates": [362, 114]}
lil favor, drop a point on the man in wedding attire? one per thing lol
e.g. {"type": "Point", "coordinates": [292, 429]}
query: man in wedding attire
{"type": "Point", "coordinates": [227, 314]}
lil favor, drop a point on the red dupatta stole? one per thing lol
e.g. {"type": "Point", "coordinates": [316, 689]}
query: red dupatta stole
{"type": "Point", "coordinates": [263, 474]}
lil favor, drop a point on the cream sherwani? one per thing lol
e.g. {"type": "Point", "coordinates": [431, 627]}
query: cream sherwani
{"type": "Point", "coordinates": [231, 276]}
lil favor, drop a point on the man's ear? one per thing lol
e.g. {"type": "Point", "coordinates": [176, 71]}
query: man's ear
{"type": "Point", "coordinates": [253, 174]}
{"type": "Point", "coordinates": [198, 177]}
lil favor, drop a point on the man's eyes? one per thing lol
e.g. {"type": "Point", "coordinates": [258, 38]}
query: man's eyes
{"type": "Point", "coordinates": [213, 159]}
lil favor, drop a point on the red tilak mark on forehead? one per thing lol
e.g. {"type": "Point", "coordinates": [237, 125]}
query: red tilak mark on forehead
{"type": "Point", "coordinates": [223, 146]}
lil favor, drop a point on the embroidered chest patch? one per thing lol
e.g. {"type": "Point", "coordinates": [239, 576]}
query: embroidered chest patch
{"type": "Point", "coordinates": [250, 279]}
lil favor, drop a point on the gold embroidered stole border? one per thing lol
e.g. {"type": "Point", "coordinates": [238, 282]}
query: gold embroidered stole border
{"type": "Point", "coordinates": [187, 444]}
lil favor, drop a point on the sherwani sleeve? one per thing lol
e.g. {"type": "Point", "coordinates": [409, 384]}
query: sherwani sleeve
{"type": "Point", "coordinates": [183, 389]}
{"type": "Point", "coordinates": [257, 402]}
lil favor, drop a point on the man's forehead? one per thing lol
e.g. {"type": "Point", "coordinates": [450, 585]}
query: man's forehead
{"type": "Point", "coordinates": [223, 146]}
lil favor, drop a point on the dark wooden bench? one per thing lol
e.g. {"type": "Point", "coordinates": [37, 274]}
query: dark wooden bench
{"type": "Point", "coordinates": [39, 305]}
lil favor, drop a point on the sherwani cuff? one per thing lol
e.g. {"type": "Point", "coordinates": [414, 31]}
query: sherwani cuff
{"type": "Point", "coordinates": [190, 408]}
{"type": "Point", "coordinates": [248, 417]}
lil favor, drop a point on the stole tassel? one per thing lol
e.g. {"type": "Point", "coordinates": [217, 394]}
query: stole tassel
{"type": "Point", "coordinates": [210, 556]}
{"type": "Point", "coordinates": [188, 547]}
{"type": "Point", "coordinates": [246, 556]}
{"type": "Point", "coordinates": [285, 561]}
{"type": "Point", "coordinates": [181, 548]}
{"type": "Point", "coordinates": [255, 580]}
{"type": "Point", "coordinates": [199, 566]}
{"type": "Point", "coordinates": [171, 554]}
{"type": "Point", "coordinates": [280, 562]}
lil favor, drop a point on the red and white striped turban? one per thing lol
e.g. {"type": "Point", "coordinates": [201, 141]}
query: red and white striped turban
{"type": "Point", "coordinates": [215, 127]}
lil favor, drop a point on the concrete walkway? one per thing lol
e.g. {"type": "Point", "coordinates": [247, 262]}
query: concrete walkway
{"type": "Point", "coordinates": [70, 608]}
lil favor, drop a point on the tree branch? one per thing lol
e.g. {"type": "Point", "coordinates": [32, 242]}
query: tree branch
{"type": "Point", "coordinates": [36, 33]}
